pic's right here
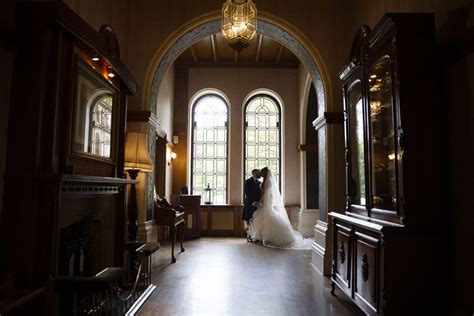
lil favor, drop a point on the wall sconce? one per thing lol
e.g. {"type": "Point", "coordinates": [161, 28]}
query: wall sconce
{"type": "Point", "coordinates": [175, 139]}
{"type": "Point", "coordinates": [172, 157]}
{"type": "Point", "coordinates": [136, 160]}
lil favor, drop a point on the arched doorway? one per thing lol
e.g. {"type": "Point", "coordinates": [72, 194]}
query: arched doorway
{"type": "Point", "coordinates": [268, 25]}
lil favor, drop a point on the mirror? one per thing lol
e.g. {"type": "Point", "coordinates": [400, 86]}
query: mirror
{"type": "Point", "coordinates": [92, 113]}
{"type": "Point", "coordinates": [356, 134]}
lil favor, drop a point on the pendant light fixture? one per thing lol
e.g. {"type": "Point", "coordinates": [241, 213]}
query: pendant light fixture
{"type": "Point", "coordinates": [239, 23]}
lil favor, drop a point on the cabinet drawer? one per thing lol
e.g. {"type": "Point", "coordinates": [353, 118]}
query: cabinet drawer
{"type": "Point", "coordinates": [343, 256]}
{"type": "Point", "coordinates": [367, 272]}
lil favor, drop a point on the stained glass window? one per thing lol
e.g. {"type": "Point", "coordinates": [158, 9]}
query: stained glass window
{"type": "Point", "coordinates": [262, 135]}
{"type": "Point", "coordinates": [209, 147]}
{"type": "Point", "coordinates": [101, 118]}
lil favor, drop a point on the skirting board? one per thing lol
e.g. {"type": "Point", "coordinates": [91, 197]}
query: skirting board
{"type": "Point", "coordinates": [320, 257]}
{"type": "Point", "coordinates": [317, 258]}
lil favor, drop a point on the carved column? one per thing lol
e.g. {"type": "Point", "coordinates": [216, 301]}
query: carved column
{"type": "Point", "coordinates": [331, 189]}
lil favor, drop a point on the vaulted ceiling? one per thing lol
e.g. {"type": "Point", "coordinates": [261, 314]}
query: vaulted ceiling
{"type": "Point", "coordinates": [213, 51]}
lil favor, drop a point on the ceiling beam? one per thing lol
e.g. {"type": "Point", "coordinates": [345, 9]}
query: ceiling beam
{"type": "Point", "coordinates": [243, 64]}
{"type": "Point", "coordinates": [279, 54]}
{"type": "Point", "coordinates": [259, 47]}
{"type": "Point", "coordinates": [214, 47]}
{"type": "Point", "coordinates": [193, 53]}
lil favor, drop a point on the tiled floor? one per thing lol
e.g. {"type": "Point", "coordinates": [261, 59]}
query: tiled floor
{"type": "Point", "coordinates": [229, 276]}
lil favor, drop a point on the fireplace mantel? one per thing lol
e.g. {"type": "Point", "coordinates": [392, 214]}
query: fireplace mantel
{"type": "Point", "coordinates": [79, 185]}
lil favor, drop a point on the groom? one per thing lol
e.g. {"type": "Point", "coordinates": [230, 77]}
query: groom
{"type": "Point", "coordinates": [252, 195]}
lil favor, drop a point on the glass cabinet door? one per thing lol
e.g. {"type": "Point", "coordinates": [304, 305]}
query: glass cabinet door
{"type": "Point", "coordinates": [356, 142]}
{"type": "Point", "coordinates": [382, 136]}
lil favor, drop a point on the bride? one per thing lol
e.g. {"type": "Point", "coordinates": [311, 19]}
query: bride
{"type": "Point", "coordinates": [270, 222]}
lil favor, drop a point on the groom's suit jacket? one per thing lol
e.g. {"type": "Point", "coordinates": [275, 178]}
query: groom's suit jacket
{"type": "Point", "coordinates": [252, 194]}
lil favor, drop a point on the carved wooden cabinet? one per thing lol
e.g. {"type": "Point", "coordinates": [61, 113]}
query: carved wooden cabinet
{"type": "Point", "coordinates": [384, 246]}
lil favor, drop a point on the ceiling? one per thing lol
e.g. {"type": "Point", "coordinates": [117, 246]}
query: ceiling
{"type": "Point", "coordinates": [213, 51]}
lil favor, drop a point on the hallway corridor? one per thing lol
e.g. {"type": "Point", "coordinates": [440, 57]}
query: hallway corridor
{"type": "Point", "coordinates": [229, 276]}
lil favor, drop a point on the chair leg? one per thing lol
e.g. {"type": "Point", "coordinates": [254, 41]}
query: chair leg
{"type": "Point", "coordinates": [182, 236]}
{"type": "Point", "coordinates": [173, 239]}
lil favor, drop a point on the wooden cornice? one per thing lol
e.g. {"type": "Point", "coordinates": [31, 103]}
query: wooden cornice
{"type": "Point", "coordinates": [138, 116]}
{"type": "Point", "coordinates": [328, 118]}
{"type": "Point", "coordinates": [144, 117]}
{"type": "Point", "coordinates": [104, 42]}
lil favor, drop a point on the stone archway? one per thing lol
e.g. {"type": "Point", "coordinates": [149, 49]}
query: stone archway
{"type": "Point", "coordinates": [268, 26]}
{"type": "Point", "coordinates": [303, 48]}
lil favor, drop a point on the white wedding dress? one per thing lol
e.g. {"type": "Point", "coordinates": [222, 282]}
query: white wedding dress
{"type": "Point", "coordinates": [270, 223]}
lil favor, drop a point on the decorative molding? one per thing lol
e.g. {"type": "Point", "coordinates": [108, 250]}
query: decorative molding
{"type": "Point", "coordinates": [143, 117]}
{"type": "Point", "coordinates": [89, 185]}
{"type": "Point", "coordinates": [358, 51]}
{"type": "Point", "coordinates": [328, 118]}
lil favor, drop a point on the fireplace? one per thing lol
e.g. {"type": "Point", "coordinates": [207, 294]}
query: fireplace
{"type": "Point", "coordinates": [86, 235]}
{"type": "Point", "coordinates": [81, 248]}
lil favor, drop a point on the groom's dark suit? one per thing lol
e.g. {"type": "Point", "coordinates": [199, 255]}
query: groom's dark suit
{"type": "Point", "coordinates": [252, 194]}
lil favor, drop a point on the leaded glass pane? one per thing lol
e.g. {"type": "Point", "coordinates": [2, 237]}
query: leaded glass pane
{"type": "Point", "coordinates": [101, 127]}
{"type": "Point", "coordinates": [262, 135]}
{"type": "Point", "coordinates": [220, 166]}
{"type": "Point", "coordinates": [199, 151]}
{"type": "Point", "coordinates": [210, 147]}
{"type": "Point", "coordinates": [209, 150]}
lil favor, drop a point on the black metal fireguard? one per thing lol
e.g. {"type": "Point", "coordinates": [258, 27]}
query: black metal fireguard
{"type": "Point", "coordinates": [108, 292]}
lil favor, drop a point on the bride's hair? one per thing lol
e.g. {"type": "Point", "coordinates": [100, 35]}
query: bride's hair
{"type": "Point", "coordinates": [264, 172]}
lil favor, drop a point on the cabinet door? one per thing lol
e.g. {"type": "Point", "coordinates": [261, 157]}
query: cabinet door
{"type": "Point", "coordinates": [356, 147]}
{"type": "Point", "coordinates": [383, 154]}
{"type": "Point", "coordinates": [367, 272]}
{"type": "Point", "coordinates": [343, 256]}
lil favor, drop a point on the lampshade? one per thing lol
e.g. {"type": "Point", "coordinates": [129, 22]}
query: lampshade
{"type": "Point", "coordinates": [136, 152]}
{"type": "Point", "coordinates": [239, 23]}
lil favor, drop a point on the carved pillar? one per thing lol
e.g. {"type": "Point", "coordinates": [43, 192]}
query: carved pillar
{"type": "Point", "coordinates": [331, 184]}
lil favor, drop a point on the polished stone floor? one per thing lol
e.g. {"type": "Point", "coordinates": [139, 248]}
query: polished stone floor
{"type": "Point", "coordinates": [229, 276]}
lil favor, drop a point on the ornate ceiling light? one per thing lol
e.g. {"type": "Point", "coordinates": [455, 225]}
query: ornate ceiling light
{"type": "Point", "coordinates": [239, 23]}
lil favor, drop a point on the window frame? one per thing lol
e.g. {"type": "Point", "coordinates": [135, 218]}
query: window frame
{"type": "Point", "coordinates": [93, 105]}
{"type": "Point", "coordinates": [280, 140]}
{"type": "Point", "coordinates": [193, 107]}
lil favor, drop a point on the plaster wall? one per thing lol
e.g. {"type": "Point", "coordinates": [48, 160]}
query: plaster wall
{"type": "Point", "coordinates": [115, 13]}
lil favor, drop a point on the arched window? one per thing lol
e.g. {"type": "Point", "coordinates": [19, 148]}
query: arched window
{"type": "Point", "coordinates": [262, 135]}
{"type": "Point", "coordinates": [209, 146]}
{"type": "Point", "coordinates": [101, 126]}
